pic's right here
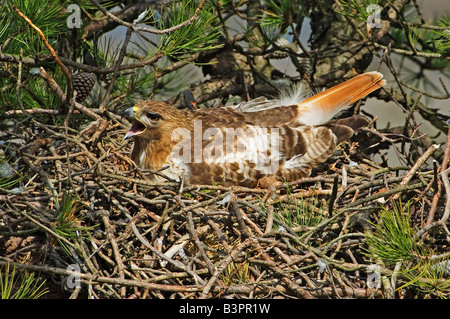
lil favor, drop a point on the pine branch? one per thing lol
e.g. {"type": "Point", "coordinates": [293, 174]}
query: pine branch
{"type": "Point", "coordinates": [80, 66]}
{"type": "Point", "coordinates": [52, 52]}
{"type": "Point", "coordinates": [135, 28]}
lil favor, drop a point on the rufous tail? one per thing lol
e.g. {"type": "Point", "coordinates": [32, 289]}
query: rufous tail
{"type": "Point", "coordinates": [322, 107]}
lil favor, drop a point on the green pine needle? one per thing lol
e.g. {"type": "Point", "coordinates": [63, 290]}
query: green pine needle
{"type": "Point", "coordinates": [68, 223]}
{"type": "Point", "coordinates": [394, 239]}
{"type": "Point", "coordinates": [24, 287]}
{"type": "Point", "coordinates": [200, 35]}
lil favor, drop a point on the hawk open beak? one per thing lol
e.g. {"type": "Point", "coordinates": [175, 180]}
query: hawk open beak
{"type": "Point", "coordinates": [138, 127]}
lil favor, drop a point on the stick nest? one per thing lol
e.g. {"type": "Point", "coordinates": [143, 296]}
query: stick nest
{"type": "Point", "coordinates": [80, 205]}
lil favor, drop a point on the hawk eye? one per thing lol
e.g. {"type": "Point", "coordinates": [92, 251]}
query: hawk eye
{"type": "Point", "coordinates": [153, 116]}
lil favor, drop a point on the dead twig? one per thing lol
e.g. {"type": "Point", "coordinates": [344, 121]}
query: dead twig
{"type": "Point", "coordinates": [416, 166]}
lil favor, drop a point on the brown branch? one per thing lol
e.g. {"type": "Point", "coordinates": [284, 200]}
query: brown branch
{"type": "Point", "coordinates": [135, 28]}
{"type": "Point", "coordinates": [52, 52]}
{"type": "Point", "coordinates": [442, 168]}
{"type": "Point", "coordinates": [221, 268]}
{"type": "Point", "coordinates": [112, 240]}
{"type": "Point", "coordinates": [199, 244]}
{"type": "Point", "coordinates": [428, 114]}
{"type": "Point", "coordinates": [441, 222]}
{"type": "Point", "coordinates": [84, 67]}
{"type": "Point", "coordinates": [416, 166]}
{"type": "Point", "coordinates": [105, 24]}
{"type": "Point", "coordinates": [92, 279]}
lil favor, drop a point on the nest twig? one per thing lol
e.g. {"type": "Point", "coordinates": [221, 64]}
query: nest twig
{"type": "Point", "coordinates": [132, 238]}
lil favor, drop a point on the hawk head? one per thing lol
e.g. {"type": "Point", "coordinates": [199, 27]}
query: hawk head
{"type": "Point", "coordinates": [153, 118]}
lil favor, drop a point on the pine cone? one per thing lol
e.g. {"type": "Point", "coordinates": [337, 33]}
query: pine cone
{"type": "Point", "coordinates": [82, 84]}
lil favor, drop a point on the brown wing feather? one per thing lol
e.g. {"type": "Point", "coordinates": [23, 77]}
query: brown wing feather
{"type": "Point", "coordinates": [346, 127]}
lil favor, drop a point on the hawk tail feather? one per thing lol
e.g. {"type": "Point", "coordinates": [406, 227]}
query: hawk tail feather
{"type": "Point", "coordinates": [322, 107]}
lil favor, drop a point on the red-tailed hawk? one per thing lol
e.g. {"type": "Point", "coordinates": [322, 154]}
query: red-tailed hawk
{"type": "Point", "coordinates": [238, 145]}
